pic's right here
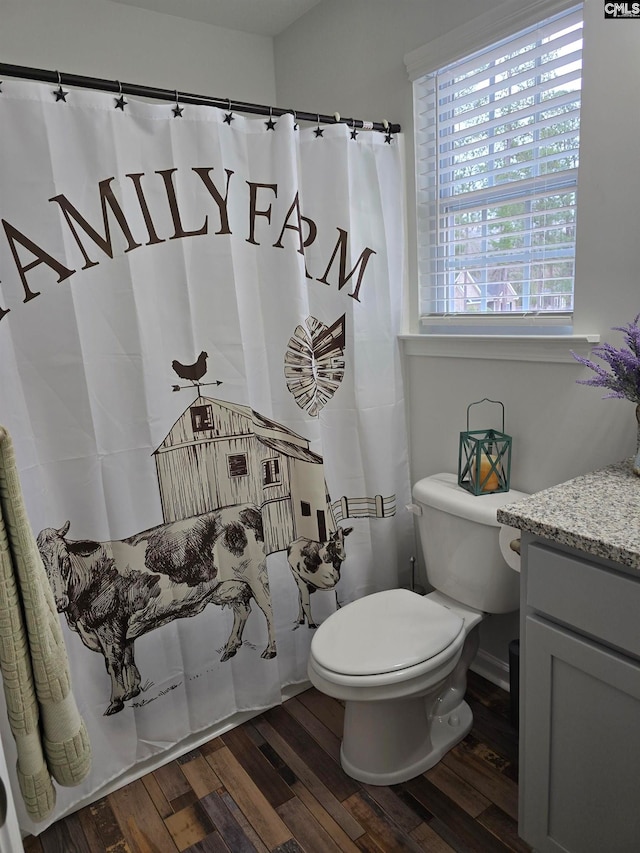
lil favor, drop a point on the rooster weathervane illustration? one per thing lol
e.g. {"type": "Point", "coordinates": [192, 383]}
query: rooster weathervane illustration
{"type": "Point", "coordinates": [192, 373]}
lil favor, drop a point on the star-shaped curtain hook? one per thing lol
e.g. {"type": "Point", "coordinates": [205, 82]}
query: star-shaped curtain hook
{"type": "Point", "coordinates": [229, 116]}
{"type": "Point", "coordinates": [387, 132]}
{"type": "Point", "coordinates": [295, 120]}
{"type": "Point", "coordinates": [177, 110]}
{"type": "Point", "coordinates": [354, 132]}
{"type": "Point", "coordinates": [271, 124]}
{"type": "Point", "coordinates": [60, 93]}
{"type": "Point", "coordinates": [318, 131]}
{"type": "Point", "coordinates": [121, 101]}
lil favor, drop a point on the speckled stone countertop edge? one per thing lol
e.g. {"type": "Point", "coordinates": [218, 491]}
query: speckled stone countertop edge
{"type": "Point", "coordinates": [598, 513]}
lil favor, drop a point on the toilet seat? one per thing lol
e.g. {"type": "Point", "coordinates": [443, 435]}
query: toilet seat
{"type": "Point", "coordinates": [386, 637]}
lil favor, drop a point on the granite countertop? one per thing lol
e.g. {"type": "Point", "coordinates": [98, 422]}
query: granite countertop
{"type": "Point", "coordinates": [598, 513]}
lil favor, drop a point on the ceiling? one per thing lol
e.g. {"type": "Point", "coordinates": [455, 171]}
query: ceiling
{"type": "Point", "coordinates": [262, 17]}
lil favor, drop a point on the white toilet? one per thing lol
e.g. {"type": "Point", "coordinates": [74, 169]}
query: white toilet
{"type": "Point", "coordinates": [399, 660]}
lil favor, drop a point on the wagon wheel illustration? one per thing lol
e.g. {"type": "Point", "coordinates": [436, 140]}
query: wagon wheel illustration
{"type": "Point", "coordinates": [314, 363]}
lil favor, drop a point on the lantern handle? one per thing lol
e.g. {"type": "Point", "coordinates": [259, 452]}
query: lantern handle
{"type": "Point", "coordinates": [485, 400]}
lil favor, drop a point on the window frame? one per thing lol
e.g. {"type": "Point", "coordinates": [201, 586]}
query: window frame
{"type": "Point", "coordinates": [208, 424]}
{"type": "Point", "coordinates": [271, 469]}
{"type": "Point", "coordinates": [236, 460]}
{"type": "Point", "coordinates": [538, 334]}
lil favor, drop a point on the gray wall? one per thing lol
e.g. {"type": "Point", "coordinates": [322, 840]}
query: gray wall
{"type": "Point", "coordinates": [348, 55]}
{"type": "Point", "coordinates": [99, 38]}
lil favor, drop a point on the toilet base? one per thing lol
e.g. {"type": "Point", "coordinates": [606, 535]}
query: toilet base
{"type": "Point", "coordinates": [385, 743]}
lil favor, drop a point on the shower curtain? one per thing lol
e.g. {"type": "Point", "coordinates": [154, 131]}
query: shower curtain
{"type": "Point", "coordinates": [200, 373]}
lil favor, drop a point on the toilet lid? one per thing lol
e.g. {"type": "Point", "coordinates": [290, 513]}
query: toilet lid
{"type": "Point", "coordinates": [384, 632]}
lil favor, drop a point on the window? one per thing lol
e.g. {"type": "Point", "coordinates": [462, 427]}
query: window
{"type": "Point", "coordinates": [497, 144]}
{"type": "Point", "coordinates": [305, 508]}
{"type": "Point", "coordinates": [201, 418]}
{"type": "Point", "coordinates": [270, 472]}
{"type": "Point", "coordinates": [237, 464]}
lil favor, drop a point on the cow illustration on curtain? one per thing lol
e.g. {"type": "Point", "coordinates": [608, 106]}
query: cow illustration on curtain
{"type": "Point", "coordinates": [234, 487]}
{"type": "Point", "coordinates": [222, 470]}
{"type": "Point", "coordinates": [113, 592]}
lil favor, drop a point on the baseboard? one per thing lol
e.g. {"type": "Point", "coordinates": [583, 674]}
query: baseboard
{"type": "Point", "coordinates": [493, 669]}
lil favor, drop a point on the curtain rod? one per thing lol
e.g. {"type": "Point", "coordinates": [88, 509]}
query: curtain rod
{"type": "Point", "coordinates": [184, 97]}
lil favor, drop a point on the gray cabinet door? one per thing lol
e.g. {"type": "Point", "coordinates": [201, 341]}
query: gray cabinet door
{"type": "Point", "coordinates": [581, 760]}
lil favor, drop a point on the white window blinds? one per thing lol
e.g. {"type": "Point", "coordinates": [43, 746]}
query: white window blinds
{"type": "Point", "coordinates": [497, 139]}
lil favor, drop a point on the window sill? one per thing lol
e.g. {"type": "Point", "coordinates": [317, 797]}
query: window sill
{"type": "Point", "coordinates": [548, 348]}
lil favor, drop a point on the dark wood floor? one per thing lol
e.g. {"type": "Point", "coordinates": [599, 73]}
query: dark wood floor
{"type": "Point", "coordinates": [275, 784]}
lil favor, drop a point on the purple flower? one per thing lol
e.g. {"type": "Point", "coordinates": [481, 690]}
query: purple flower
{"type": "Point", "coordinates": [623, 377]}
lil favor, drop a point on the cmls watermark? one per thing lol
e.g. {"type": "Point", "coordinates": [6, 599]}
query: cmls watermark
{"type": "Point", "coordinates": [622, 10]}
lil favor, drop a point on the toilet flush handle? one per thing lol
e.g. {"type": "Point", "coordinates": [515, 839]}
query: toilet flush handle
{"type": "Point", "coordinates": [415, 509]}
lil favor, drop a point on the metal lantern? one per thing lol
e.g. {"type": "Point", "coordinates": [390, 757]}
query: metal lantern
{"type": "Point", "coordinates": [484, 459]}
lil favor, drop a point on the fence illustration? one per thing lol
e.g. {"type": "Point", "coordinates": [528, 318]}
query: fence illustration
{"type": "Point", "coordinates": [377, 507]}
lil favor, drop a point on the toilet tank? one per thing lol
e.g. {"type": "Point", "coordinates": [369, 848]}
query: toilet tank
{"type": "Point", "coordinates": [459, 535]}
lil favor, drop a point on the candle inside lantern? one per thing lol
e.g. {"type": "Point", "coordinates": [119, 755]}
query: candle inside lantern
{"type": "Point", "coordinates": [486, 472]}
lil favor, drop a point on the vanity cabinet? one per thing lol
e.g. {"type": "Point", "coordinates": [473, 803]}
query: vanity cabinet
{"type": "Point", "coordinates": [579, 701]}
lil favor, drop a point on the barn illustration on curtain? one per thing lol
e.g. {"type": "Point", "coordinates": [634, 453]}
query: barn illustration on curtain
{"type": "Point", "coordinates": [199, 370]}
